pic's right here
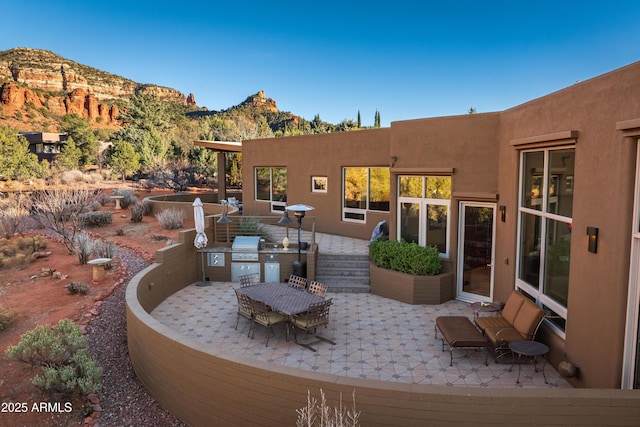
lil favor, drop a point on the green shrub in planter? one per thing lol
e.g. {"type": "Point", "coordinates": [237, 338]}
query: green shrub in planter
{"type": "Point", "coordinates": [405, 257]}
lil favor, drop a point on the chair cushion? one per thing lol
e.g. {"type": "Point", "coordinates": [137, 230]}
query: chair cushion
{"type": "Point", "coordinates": [491, 322]}
{"type": "Point", "coordinates": [512, 306]}
{"type": "Point", "coordinates": [527, 319]}
{"type": "Point", "coordinates": [305, 323]}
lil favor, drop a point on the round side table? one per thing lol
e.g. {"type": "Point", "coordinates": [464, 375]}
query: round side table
{"type": "Point", "coordinates": [485, 307]}
{"type": "Point", "coordinates": [532, 349]}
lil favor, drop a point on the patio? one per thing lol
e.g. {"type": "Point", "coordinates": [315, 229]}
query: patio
{"type": "Point", "coordinates": [376, 338]}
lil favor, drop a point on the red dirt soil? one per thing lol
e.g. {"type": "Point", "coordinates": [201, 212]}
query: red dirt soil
{"type": "Point", "coordinates": [40, 300]}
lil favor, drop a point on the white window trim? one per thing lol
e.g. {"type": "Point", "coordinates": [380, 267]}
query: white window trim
{"type": "Point", "coordinates": [537, 293]}
{"type": "Point", "coordinates": [359, 211]}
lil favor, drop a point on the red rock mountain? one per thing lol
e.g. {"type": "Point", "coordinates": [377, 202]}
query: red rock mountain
{"type": "Point", "coordinates": [37, 84]}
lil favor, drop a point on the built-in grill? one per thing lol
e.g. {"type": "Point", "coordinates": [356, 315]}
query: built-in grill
{"type": "Point", "coordinates": [244, 256]}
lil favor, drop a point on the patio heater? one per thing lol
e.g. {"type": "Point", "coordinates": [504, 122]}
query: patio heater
{"type": "Point", "coordinates": [299, 211]}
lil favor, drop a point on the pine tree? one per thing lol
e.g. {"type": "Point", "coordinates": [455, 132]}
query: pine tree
{"type": "Point", "coordinates": [359, 121]}
{"type": "Point", "coordinates": [376, 120]}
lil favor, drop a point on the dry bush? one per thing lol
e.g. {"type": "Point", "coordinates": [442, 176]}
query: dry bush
{"type": "Point", "coordinates": [20, 251]}
{"type": "Point", "coordinates": [14, 212]}
{"type": "Point", "coordinates": [7, 316]}
{"type": "Point", "coordinates": [171, 219]}
{"type": "Point", "coordinates": [322, 415]}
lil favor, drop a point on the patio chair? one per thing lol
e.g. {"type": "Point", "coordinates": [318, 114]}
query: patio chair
{"type": "Point", "coordinates": [244, 309]}
{"type": "Point", "coordinates": [249, 279]}
{"type": "Point", "coordinates": [317, 288]}
{"type": "Point", "coordinates": [297, 282]}
{"type": "Point", "coordinates": [311, 320]}
{"type": "Point", "coordinates": [263, 315]}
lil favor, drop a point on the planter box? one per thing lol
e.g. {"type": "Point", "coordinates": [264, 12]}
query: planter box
{"type": "Point", "coordinates": [409, 288]}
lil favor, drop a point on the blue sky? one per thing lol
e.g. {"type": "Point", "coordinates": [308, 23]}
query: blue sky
{"type": "Point", "coordinates": [334, 58]}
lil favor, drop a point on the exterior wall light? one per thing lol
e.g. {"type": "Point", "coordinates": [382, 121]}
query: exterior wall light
{"type": "Point", "coordinates": [503, 213]}
{"type": "Point", "coordinates": [592, 232]}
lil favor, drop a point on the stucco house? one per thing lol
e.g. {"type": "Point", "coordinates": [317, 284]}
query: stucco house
{"type": "Point", "coordinates": [46, 145]}
{"type": "Point", "coordinates": [543, 197]}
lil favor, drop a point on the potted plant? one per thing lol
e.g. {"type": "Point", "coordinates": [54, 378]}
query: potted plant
{"type": "Point", "coordinates": [408, 272]}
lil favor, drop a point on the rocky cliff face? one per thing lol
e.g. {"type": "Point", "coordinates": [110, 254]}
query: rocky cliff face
{"type": "Point", "coordinates": [35, 80]}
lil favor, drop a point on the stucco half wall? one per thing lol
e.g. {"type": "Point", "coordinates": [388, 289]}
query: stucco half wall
{"type": "Point", "coordinates": [205, 385]}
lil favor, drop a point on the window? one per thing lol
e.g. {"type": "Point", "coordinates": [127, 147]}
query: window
{"type": "Point", "coordinates": [365, 189]}
{"type": "Point", "coordinates": [271, 186]}
{"type": "Point", "coordinates": [544, 246]}
{"type": "Point", "coordinates": [423, 206]}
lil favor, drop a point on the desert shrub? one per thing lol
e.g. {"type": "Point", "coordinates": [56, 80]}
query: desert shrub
{"type": "Point", "coordinates": [63, 352]}
{"type": "Point", "coordinates": [14, 212]}
{"type": "Point", "coordinates": [83, 247]}
{"type": "Point", "coordinates": [95, 219]}
{"type": "Point", "coordinates": [77, 288]}
{"type": "Point", "coordinates": [137, 212]}
{"type": "Point", "coordinates": [320, 414]}
{"type": "Point", "coordinates": [405, 257]}
{"type": "Point", "coordinates": [71, 176]}
{"type": "Point", "coordinates": [20, 251]}
{"type": "Point", "coordinates": [102, 249]}
{"type": "Point", "coordinates": [146, 206]}
{"type": "Point", "coordinates": [7, 316]}
{"type": "Point", "coordinates": [128, 198]}
{"type": "Point", "coordinates": [95, 206]}
{"type": "Point", "coordinates": [253, 227]}
{"type": "Point", "coordinates": [171, 219]}
{"type": "Point", "coordinates": [103, 199]}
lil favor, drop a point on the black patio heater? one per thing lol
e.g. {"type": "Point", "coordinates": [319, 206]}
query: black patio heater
{"type": "Point", "coordinates": [299, 266]}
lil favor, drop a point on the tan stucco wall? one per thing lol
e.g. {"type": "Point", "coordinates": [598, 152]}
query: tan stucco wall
{"type": "Point", "coordinates": [317, 155]}
{"type": "Point", "coordinates": [603, 197]}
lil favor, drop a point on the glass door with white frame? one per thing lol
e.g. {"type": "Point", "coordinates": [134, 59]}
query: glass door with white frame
{"type": "Point", "coordinates": [475, 263]}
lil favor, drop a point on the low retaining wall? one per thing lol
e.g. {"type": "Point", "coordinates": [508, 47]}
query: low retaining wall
{"type": "Point", "coordinates": [409, 288]}
{"type": "Point", "coordinates": [206, 385]}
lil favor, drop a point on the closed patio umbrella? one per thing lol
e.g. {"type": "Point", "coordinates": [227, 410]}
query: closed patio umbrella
{"type": "Point", "coordinates": [201, 240]}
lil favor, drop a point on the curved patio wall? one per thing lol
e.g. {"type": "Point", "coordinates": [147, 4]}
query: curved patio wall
{"type": "Point", "coordinates": [185, 203]}
{"type": "Point", "coordinates": [206, 385]}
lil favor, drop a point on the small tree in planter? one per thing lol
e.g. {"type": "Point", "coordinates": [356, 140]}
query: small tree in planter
{"type": "Point", "coordinates": [408, 272]}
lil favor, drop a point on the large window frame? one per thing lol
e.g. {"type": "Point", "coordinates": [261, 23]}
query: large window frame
{"type": "Point", "coordinates": [429, 198]}
{"type": "Point", "coordinates": [271, 186]}
{"type": "Point", "coordinates": [365, 189]}
{"type": "Point", "coordinates": [545, 215]}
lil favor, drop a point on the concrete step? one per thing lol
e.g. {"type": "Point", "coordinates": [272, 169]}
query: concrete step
{"type": "Point", "coordinates": [344, 273]}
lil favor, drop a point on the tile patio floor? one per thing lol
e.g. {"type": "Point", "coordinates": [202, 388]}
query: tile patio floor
{"type": "Point", "coordinates": [376, 338]}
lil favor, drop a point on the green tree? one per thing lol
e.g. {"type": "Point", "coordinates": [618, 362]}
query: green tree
{"type": "Point", "coordinates": [123, 158]}
{"type": "Point", "coordinates": [359, 120]}
{"type": "Point", "coordinates": [147, 125]}
{"type": "Point", "coordinates": [70, 156]}
{"type": "Point", "coordinates": [16, 161]}
{"type": "Point", "coordinates": [84, 136]}
{"type": "Point", "coordinates": [471, 110]}
{"type": "Point", "coordinates": [376, 120]}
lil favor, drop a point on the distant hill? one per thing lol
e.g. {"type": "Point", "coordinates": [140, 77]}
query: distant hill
{"type": "Point", "coordinates": [38, 87]}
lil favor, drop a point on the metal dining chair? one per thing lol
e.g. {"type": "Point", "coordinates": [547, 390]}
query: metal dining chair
{"type": "Point", "coordinates": [263, 315]}
{"type": "Point", "coordinates": [317, 288]}
{"type": "Point", "coordinates": [244, 309]}
{"type": "Point", "coordinates": [297, 282]}
{"type": "Point", "coordinates": [311, 320]}
{"type": "Point", "coordinates": [249, 279]}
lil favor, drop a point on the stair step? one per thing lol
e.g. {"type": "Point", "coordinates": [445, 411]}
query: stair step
{"type": "Point", "coordinates": [343, 273]}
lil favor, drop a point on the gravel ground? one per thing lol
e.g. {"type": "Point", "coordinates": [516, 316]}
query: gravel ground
{"type": "Point", "coordinates": [123, 399]}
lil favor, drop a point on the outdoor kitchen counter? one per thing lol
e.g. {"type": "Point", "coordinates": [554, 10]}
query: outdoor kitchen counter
{"type": "Point", "coordinates": [291, 250]}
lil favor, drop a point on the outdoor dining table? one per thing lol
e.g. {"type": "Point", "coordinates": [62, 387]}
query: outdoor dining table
{"type": "Point", "coordinates": [285, 299]}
